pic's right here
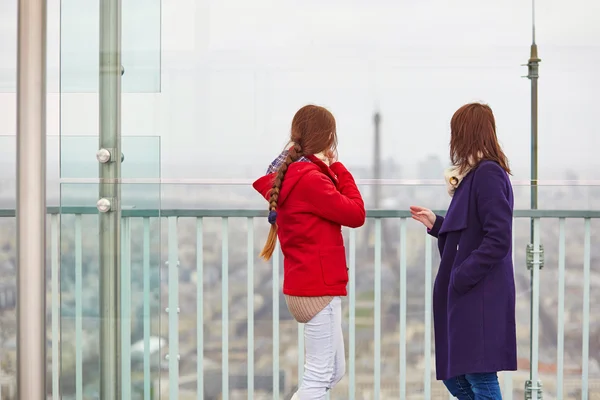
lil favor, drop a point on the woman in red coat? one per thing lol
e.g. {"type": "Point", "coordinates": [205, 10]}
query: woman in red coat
{"type": "Point", "coordinates": [311, 196]}
{"type": "Point", "coordinates": [474, 291]}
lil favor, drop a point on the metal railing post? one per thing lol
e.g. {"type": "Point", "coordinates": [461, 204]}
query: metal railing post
{"type": "Point", "coordinates": [109, 203]}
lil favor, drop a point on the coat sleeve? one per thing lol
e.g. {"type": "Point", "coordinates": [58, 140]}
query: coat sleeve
{"type": "Point", "coordinates": [343, 205]}
{"type": "Point", "coordinates": [495, 211]}
{"type": "Point", "coordinates": [435, 229]}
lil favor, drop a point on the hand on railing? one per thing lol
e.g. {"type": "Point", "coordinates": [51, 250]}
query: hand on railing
{"type": "Point", "coordinates": [423, 215]}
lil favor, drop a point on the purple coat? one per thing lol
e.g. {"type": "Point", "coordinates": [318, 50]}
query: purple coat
{"type": "Point", "coordinates": [474, 291]}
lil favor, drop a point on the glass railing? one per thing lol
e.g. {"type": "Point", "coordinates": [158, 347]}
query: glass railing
{"type": "Point", "coordinates": [203, 317]}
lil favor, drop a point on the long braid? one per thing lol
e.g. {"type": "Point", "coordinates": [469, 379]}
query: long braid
{"type": "Point", "coordinates": [294, 154]}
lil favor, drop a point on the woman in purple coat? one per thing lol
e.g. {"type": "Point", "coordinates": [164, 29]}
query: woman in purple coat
{"type": "Point", "coordinates": [474, 291]}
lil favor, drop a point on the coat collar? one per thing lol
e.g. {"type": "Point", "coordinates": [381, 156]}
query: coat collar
{"type": "Point", "coordinates": [456, 217]}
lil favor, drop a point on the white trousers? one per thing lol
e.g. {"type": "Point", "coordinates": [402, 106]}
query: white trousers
{"type": "Point", "coordinates": [325, 358]}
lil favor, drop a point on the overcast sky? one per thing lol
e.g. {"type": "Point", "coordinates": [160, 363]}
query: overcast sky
{"type": "Point", "coordinates": [231, 74]}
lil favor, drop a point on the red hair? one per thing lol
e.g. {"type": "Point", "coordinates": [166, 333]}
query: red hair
{"type": "Point", "coordinates": [473, 138]}
{"type": "Point", "coordinates": [313, 131]}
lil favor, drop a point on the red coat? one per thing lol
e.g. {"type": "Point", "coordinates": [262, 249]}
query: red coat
{"type": "Point", "coordinates": [315, 201]}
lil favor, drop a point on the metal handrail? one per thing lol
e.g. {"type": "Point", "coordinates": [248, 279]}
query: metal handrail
{"type": "Point", "coordinates": [253, 213]}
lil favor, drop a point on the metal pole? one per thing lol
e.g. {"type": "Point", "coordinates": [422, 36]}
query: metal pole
{"type": "Point", "coordinates": [533, 385]}
{"type": "Point", "coordinates": [31, 200]}
{"type": "Point", "coordinates": [109, 204]}
{"type": "Point", "coordinates": [377, 176]}
{"type": "Point", "coordinates": [533, 75]}
{"type": "Point", "coordinates": [377, 161]}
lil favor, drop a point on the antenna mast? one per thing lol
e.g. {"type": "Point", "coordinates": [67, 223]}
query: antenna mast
{"type": "Point", "coordinates": [533, 387]}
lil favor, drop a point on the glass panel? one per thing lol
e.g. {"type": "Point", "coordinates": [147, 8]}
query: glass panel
{"type": "Point", "coordinates": [141, 284]}
{"type": "Point", "coordinates": [8, 46]}
{"type": "Point", "coordinates": [140, 249]}
{"type": "Point", "coordinates": [8, 175]}
{"type": "Point", "coordinates": [141, 157]}
{"type": "Point", "coordinates": [140, 41]}
{"type": "Point", "coordinates": [80, 290]}
{"type": "Point", "coordinates": [8, 270]}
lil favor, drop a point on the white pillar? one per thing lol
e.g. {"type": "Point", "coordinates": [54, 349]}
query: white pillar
{"type": "Point", "coordinates": [31, 200]}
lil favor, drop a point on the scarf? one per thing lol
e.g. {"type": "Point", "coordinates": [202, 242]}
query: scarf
{"type": "Point", "coordinates": [453, 177]}
{"type": "Point", "coordinates": [281, 159]}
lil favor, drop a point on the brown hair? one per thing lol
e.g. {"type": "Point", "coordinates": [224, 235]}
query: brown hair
{"type": "Point", "coordinates": [473, 138]}
{"type": "Point", "coordinates": [313, 131]}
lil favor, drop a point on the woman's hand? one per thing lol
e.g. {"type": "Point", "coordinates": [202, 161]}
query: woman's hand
{"type": "Point", "coordinates": [332, 156]}
{"type": "Point", "coordinates": [423, 215]}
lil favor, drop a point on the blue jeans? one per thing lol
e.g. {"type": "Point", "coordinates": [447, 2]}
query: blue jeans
{"type": "Point", "coordinates": [475, 387]}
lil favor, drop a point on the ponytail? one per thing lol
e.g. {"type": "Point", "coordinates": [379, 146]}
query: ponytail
{"type": "Point", "coordinates": [294, 153]}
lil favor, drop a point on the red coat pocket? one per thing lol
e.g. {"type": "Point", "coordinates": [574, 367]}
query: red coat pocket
{"type": "Point", "coordinates": [333, 265]}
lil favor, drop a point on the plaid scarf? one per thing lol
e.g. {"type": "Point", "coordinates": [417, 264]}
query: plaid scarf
{"type": "Point", "coordinates": [274, 167]}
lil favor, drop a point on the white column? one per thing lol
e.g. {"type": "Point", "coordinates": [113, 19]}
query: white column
{"type": "Point", "coordinates": [31, 200]}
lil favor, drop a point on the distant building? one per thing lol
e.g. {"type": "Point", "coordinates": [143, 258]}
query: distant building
{"type": "Point", "coordinates": [8, 297]}
{"type": "Point", "coordinates": [8, 386]}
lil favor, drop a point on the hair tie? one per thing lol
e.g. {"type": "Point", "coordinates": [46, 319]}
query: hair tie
{"type": "Point", "coordinates": [272, 217]}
